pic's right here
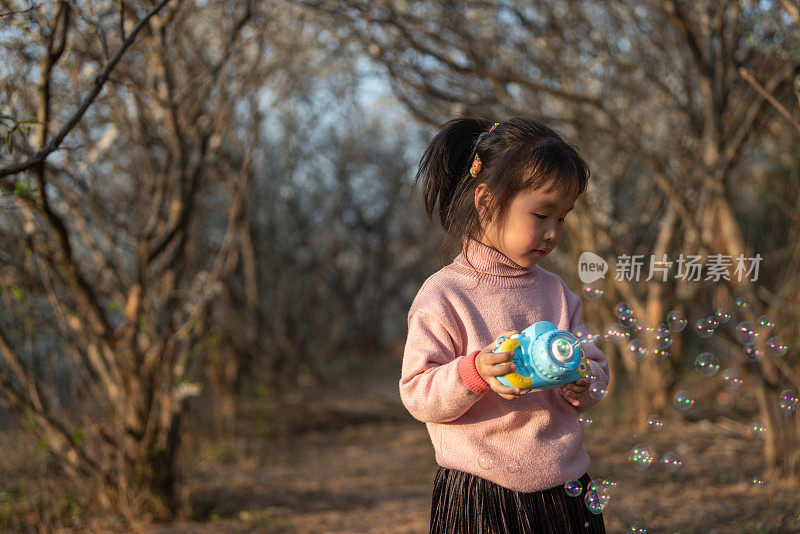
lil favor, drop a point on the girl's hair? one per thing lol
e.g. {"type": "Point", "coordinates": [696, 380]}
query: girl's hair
{"type": "Point", "coordinates": [517, 155]}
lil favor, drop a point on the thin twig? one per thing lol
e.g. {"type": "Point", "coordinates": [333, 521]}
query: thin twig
{"type": "Point", "coordinates": [744, 73]}
{"type": "Point", "coordinates": [101, 79]}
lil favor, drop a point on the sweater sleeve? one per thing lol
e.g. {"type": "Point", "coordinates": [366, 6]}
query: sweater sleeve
{"type": "Point", "coordinates": [598, 365]}
{"type": "Point", "coordinates": [436, 384]}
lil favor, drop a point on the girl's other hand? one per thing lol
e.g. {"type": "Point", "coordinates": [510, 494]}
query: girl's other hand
{"type": "Point", "coordinates": [486, 363]}
{"type": "Point", "coordinates": [575, 390]}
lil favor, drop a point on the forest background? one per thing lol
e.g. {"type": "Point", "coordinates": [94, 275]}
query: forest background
{"type": "Point", "coordinates": [209, 242]}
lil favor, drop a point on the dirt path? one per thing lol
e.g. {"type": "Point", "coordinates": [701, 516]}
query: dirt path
{"type": "Point", "coordinates": [359, 463]}
{"type": "Point", "coordinates": [352, 460]}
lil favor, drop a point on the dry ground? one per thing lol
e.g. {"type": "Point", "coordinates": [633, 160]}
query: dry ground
{"type": "Point", "coordinates": [350, 459]}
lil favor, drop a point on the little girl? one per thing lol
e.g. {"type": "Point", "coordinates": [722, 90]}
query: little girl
{"type": "Point", "coordinates": [502, 191]}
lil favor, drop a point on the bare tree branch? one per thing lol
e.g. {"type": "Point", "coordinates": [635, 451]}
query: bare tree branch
{"type": "Point", "coordinates": [101, 79]}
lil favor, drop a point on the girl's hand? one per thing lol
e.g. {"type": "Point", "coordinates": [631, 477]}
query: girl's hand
{"type": "Point", "coordinates": [485, 364]}
{"type": "Point", "coordinates": [575, 390]}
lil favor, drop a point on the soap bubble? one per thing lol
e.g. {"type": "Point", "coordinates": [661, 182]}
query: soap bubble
{"type": "Point", "coordinates": [640, 457]}
{"type": "Point", "coordinates": [513, 466]}
{"type": "Point", "coordinates": [703, 329]}
{"type": "Point", "coordinates": [593, 502]}
{"type": "Point", "coordinates": [585, 420]}
{"type": "Point", "coordinates": [776, 346]}
{"type": "Point", "coordinates": [765, 323]}
{"type": "Point", "coordinates": [723, 315]}
{"type": "Point", "coordinates": [712, 321]}
{"type": "Point", "coordinates": [751, 353]}
{"type": "Point", "coordinates": [671, 461]}
{"type": "Point", "coordinates": [676, 320]}
{"type": "Point", "coordinates": [742, 304]}
{"type": "Point", "coordinates": [788, 401]}
{"type": "Point", "coordinates": [598, 493]}
{"type": "Point", "coordinates": [757, 481]}
{"type": "Point", "coordinates": [597, 391]}
{"type": "Point", "coordinates": [584, 334]}
{"type": "Point", "coordinates": [683, 401]}
{"type": "Point", "coordinates": [638, 349]}
{"type": "Point", "coordinates": [654, 423]}
{"type": "Point", "coordinates": [641, 328]}
{"type": "Point", "coordinates": [623, 308]}
{"type": "Point", "coordinates": [616, 333]}
{"type": "Point", "coordinates": [592, 291]}
{"type": "Point", "coordinates": [745, 332]}
{"type": "Point", "coordinates": [731, 379]}
{"type": "Point", "coordinates": [662, 337]}
{"type": "Point", "coordinates": [573, 488]}
{"type": "Point", "coordinates": [636, 528]}
{"type": "Point", "coordinates": [628, 319]}
{"type": "Point", "coordinates": [758, 429]}
{"type": "Point", "coordinates": [706, 364]}
{"type": "Point", "coordinates": [660, 354]}
{"type": "Point", "coordinates": [486, 461]}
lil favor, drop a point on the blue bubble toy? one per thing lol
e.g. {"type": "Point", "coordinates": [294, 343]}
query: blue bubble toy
{"type": "Point", "coordinates": [545, 358]}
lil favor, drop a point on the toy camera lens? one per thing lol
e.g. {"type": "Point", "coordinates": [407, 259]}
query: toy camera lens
{"type": "Point", "coordinates": [562, 350]}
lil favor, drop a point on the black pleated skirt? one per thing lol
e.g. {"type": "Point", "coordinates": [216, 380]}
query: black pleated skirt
{"type": "Point", "coordinates": [464, 503]}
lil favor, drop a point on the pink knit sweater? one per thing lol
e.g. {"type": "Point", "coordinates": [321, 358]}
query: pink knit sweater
{"type": "Point", "coordinates": [531, 443]}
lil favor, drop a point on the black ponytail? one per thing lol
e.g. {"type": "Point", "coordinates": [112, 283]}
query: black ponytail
{"type": "Point", "coordinates": [518, 154]}
{"type": "Point", "coordinates": [444, 167]}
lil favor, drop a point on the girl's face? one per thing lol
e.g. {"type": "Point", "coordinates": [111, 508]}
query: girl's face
{"type": "Point", "coordinates": [532, 225]}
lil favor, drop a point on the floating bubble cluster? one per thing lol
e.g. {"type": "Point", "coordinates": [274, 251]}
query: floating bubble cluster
{"type": "Point", "coordinates": [706, 364]}
{"type": "Point", "coordinates": [671, 461]}
{"type": "Point", "coordinates": [592, 291]}
{"type": "Point", "coordinates": [637, 528]}
{"type": "Point", "coordinates": [712, 321]}
{"type": "Point", "coordinates": [742, 304]}
{"type": "Point", "coordinates": [654, 423]}
{"type": "Point", "coordinates": [513, 466]}
{"type": "Point", "coordinates": [758, 429]}
{"type": "Point", "coordinates": [573, 488]}
{"type": "Point", "coordinates": [757, 481]}
{"type": "Point", "coordinates": [683, 401]}
{"type": "Point", "coordinates": [788, 401]}
{"type": "Point", "coordinates": [731, 379]}
{"type": "Point", "coordinates": [640, 457]}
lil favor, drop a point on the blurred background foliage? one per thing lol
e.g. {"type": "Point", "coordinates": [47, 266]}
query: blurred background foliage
{"type": "Point", "coordinates": [232, 214]}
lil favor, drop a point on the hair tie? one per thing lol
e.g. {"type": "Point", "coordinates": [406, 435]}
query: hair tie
{"type": "Point", "coordinates": [476, 167]}
{"type": "Point", "coordinates": [476, 164]}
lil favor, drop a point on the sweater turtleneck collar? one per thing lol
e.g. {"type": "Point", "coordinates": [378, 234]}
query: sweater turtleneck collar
{"type": "Point", "coordinates": [492, 266]}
